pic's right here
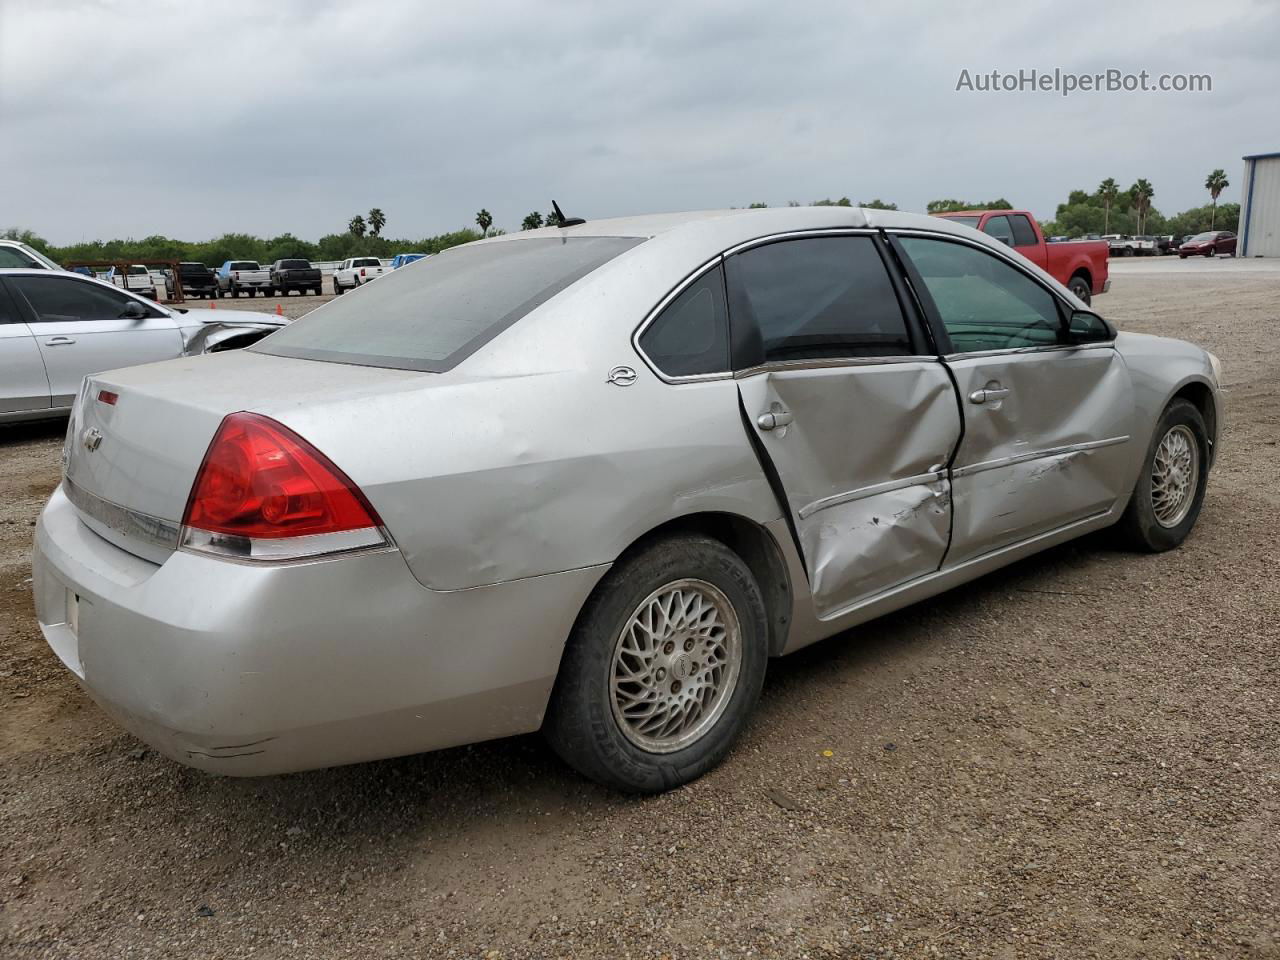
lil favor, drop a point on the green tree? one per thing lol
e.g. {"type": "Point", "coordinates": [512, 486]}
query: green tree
{"type": "Point", "coordinates": [842, 202]}
{"type": "Point", "coordinates": [484, 220]}
{"type": "Point", "coordinates": [377, 220]}
{"type": "Point", "coordinates": [877, 204]}
{"type": "Point", "coordinates": [757, 206]}
{"type": "Point", "coordinates": [532, 222]}
{"type": "Point", "coordinates": [356, 226]}
{"type": "Point", "coordinates": [958, 206]}
{"type": "Point", "coordinates": [1107, 191]}
{"type": "Point", "coordinates": [1215, 183]}
{"type": "Point", "coordinates": [1142, 192]}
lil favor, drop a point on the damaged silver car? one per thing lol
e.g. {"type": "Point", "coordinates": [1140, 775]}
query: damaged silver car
{"type": "Point", "coordinates": [589, 479]}
{"type": "Point", "coordinates": [57, 327]}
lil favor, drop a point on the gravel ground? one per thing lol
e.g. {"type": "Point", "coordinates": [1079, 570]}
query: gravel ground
{"type": "Point", "coordinates": [1075, 757]}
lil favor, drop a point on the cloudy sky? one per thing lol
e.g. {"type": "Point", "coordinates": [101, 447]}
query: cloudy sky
{"type": "Point", "coordinates": [193, 118]}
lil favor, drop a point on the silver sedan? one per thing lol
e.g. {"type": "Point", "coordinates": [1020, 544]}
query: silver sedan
{"type": "Point", "coordinates": [57, 327]}
{"type": "Point", "coordinates": [589, 479]}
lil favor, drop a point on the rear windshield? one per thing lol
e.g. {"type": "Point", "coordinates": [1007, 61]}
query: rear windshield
{"type": "Point", "coordinates": [295, 265]}
{"type": "Point", "coordinates": [967, 221]}
{"type": "Point", "coordinates": [366, 262]}
{"type": "Point", "coordinates": [244, 265]}
{"type": "Point", "coordinates": [432, 317]}
{"type": "Point", "coordinates": [192, 267]}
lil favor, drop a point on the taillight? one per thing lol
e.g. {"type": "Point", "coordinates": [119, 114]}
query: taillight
{"type": "Point", "coordinates": [264, 493]}
{"type": "Point", "coordinates": [362, 273]}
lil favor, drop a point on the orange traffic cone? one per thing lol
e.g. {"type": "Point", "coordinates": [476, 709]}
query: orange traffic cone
{"type": "Point", "coordinates": [213, 304]}
{"type": "Point", "coordinates": [279, 312]}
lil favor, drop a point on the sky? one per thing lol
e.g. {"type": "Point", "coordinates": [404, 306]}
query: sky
{"type": "Point", "coordinates": [192, 119]}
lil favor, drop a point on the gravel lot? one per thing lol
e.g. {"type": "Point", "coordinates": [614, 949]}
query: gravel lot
{"type": "Point", "coordinates": [1076, 757]}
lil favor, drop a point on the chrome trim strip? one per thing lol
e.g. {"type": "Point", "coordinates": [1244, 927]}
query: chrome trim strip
{"type": "Point", "coordinates": [254, 550]}
{"type": "Point", "coordinates": [1010, 351]}
{"type": "Point", "coordinates": [653, 314]}
{"type": "Point", "coordinates": [803, 234]}
{"type": "Point", "coordinates": [1065, 450]}
{"type": "Point", "coordinates": [889, 486]}
{"type": "Point", "coordinates": [781, 366]}
{"type": "Point", "coordinates": [128, 523]}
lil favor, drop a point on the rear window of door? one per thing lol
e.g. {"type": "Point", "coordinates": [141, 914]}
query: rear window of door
{"type": "Point", "coordinates": [983, 302]}
{"type": "Point", "coordinates": [1024, 235]}
{"type": "Point", "coordinates": [815, 298]}
{"type": "Point", "coordinates": [690, 337]}
{"type": "Point", "coordinates": [11, 257]}
{"type": "Point", "coordinates": [53, 299]}
{"type": "Point", "coordinates": [431, 318]}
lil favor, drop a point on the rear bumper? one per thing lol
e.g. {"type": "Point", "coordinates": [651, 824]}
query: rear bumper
{"type": "Point", "coordinates": [250, 669]}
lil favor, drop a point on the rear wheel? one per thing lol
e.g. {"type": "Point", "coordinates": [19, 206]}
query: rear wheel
{"type": "Point", "coordinates": [1170, 491]}
{"type": "Point", "coordinates": [663, 668]}
{"type": "Point", "coordinates": [1080, 287]}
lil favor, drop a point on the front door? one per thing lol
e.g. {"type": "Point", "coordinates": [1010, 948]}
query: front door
{"type": "Point", "coordinates": [23, 384]}
{"type": "Point", "coordinates": [855, 421]}
{"type": "Point", "coordinates": [80, 327]}
{"type": "Point", "coordinates": [1046, 424]}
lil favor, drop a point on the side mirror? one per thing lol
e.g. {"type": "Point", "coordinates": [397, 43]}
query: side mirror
{"type": "Point", "coordinates": [1087, 327]}
{"type": "Point", "coordinates": [133, 310]}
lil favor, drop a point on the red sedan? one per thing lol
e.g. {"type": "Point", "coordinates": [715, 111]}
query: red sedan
{"type": "Point", "coordinates": [1209, 244]}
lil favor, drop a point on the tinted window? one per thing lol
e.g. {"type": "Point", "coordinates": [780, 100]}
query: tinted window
{"type": "Point", "coordinates": [691, 335]}
{"type": "Point", "coordinates": [10, 257]}
{"type": "Point", "coordinates": [1024, 235]}
{"type": "Point", "coordinates": [985, 303]}
{"type": "Point", "coordinates": [815, 298]}
{"type": "Point", "coordinates": [294, 265]}
{"type": "Point", "coordinates": [433, 316]}
{"type": "Point", "coordinates": [244, 265]}
{"type": "Point", "coordinates": [967, 221]}
{"type": "Point", "coordinates": [64, 298]}
{"type": "Point", "coordinates": [999, 228]}
{"type": "Point", "coordinates": [366, 262]}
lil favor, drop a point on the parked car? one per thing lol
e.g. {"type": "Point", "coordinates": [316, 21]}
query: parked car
{"type": "Point", "coordinates": [138, 279]}
{"type": "Point", "coordinates": [300, 275]}
{"type": "Point", "coordinates": [1166, 244]}
{"type": "Point", "coordinates": [198, 280]}
{"type": "Point", "coordinates": [400, 259]}
{"type": "Point", "coordinates": [356, 270]}
{"type": "Point", "coordinates": [15, 253]}
{"type": "Point", "coordinates": [58, 328]}
{"type": "Point", "coordinates": [1144, 245]}
{"type": "Point", "coordinates": [647, 454]}
{"type": "Point", "coordinates": [1118, 245]}
{"type": "Point", "coordinates": [243, 276]}
{"type": "Point", "coordinates": [1209, 244]}
{"type": "Point", "coordinates": [1080, 265]}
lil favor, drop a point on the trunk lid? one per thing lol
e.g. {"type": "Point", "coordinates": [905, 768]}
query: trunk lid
{"type": "Point", "coordinates": [138, 436]}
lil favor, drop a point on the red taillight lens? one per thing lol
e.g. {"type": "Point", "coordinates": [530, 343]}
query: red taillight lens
{"type": "Point", "coordinates": [362, 273]}
{"type": "Point", "coordinates": [260, 481]}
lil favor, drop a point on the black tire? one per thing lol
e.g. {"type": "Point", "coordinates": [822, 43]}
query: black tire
{"type": "Point", "coordinates": [1080, 287]}
{"type": "Point", "coordinates": [1128, 251]}
{"type": "Point", "coordinates": [580, 722]}
{"type": "Point", "coordinates": [1211, 252]}
{"type": "Point", "coordinates": [1138, 527]}
{"type": "Point", "coordinates": [337, 290]}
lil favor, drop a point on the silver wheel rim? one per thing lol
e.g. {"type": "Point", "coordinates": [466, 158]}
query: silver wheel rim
{"type": "Point", "coordinates": [1175, 474]}
{"type": "Point", "coordinates": [675, 666]}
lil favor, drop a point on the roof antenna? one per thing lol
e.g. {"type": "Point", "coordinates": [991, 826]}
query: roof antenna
{"type": "Point", "coordinates": [564, 221]}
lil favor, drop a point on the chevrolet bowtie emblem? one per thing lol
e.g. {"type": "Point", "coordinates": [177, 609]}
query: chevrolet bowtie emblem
{"type": "Point", "coordinates": [92, 439]}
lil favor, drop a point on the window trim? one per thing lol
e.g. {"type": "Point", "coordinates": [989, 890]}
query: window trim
{"type": "Point", "coordinates": [942, 339]}
{"type": "Point", "coordinates": [697, 274]}
{"type": "Point", "coordinates": [26, 307]}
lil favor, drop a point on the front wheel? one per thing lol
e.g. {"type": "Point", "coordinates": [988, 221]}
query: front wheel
{"type": "Point", "coordinates": [663, 667]}
{"type": "Point", "coordinates": [1211, 252]}
{"type": "Point", "coordinates": [1080, 287]}
{"type": "Point", "coordinates": [1170, 491]}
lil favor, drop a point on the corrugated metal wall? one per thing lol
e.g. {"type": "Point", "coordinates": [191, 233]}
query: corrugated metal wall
{"type": "Point", "coordinates": [1260, 208]}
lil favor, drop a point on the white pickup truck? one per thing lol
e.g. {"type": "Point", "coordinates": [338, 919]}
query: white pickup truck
{"type": "Point", "coordinates": [243, 276]}
{"type": "Point", "coordinates": [354, 271]}
{"type": "Point", "coordinates": [138, 279]}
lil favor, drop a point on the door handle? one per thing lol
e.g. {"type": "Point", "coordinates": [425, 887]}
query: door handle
{"type": "Point", "coordinates": [992, 393]}
{"type": "Point", "coordinates": [774, 419]}
{"type": "Point", "coordinates": [58, 341]}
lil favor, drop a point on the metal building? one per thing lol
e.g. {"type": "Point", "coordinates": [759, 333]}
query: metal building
{"type": "Point", "coordinates": [1260, 211]}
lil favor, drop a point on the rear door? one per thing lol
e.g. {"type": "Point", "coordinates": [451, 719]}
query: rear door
{"type": "Point", "coordinates": [23, 385]}
{"type": "Point", "coordinates": [79, 327]}
{"type": "Point", "coordinates": [851, 415]}
{"type": "Point", "coordinates": [1025, 240]}
{"type": "Point", "coordinates": [1046, 424]}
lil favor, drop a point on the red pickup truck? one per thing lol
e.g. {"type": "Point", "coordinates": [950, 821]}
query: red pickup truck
{"type": "Point", "coordinates": [1079, 265]}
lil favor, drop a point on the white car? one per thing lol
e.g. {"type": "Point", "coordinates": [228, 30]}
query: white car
{"type": "Point", "coordinates": [357, 270]}
{"type": "Point", "coordinates": [138, 280]}
{"type": "Point", "coordinates": [56, 328]}
{"type": "Point", "coordinates": [15, 253]}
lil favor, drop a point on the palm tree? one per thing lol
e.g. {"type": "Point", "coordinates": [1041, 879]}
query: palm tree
{"type": "Point", "coordinates": [357, 226]}
{"type": "Point", "coordinates": [377, 220]}
{"type": "Point", "coordinates": [1107, 190]}
{"type": "Point", "coordinates": [1215, 184]}
{"type": "Point", "coordinates": [551, 220]}
{"type": "Point", "coordinates": [1142, 192]}
{"type": "Point", "coordinates": [484, 220]}
{"type": "Point", "coordinates": [532, 222]}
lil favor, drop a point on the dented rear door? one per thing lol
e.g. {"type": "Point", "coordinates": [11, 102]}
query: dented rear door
{"type": "Point", "coordinates": [854, 423]}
